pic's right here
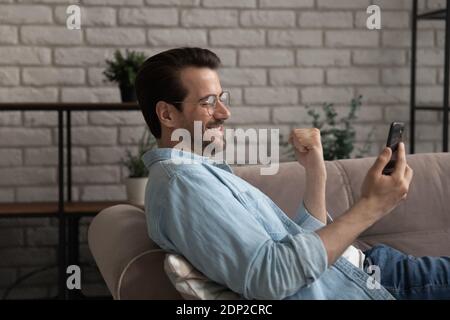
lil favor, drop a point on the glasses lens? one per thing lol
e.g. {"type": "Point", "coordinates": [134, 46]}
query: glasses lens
{"type": "Point", "coordinates": [210, 104]}
{"type": "Point", "coordinates": [225, 98]}
{"type": "Point", "coordinates": [211, 101]}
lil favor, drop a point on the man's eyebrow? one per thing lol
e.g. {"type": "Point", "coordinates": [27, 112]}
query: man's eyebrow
{"type": "Point", "coordinates": [207, 96]}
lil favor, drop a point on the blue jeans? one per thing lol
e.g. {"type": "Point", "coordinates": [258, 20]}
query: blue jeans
{"type": "Point", "coordinates": [408, 277]}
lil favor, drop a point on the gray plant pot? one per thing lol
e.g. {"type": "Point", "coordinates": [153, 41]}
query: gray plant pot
{"type": "Point", "coordinates": [127, 93]}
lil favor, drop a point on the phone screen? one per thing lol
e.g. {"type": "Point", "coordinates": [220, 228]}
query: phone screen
{"type": "Point", "coordinates": [394, 138]}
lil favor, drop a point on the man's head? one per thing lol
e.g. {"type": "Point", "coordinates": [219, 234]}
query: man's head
{"type": "Point", "coordinates": [179, 86]}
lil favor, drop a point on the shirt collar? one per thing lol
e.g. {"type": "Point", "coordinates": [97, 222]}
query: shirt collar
{"type": "Point", "coordinates": [161, 154]}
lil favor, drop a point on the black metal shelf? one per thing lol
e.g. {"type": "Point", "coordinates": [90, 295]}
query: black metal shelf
{"type": "Point", "coordinates": [440, 14]}
{"type": "Point", "coordinates": [65, 210]}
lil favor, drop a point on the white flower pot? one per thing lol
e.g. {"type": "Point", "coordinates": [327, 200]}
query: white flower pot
{"type": "Point", "coordinates": [136, 190]}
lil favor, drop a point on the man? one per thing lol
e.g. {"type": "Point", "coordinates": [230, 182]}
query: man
{"type": "Point", "coordinates": [236, 235]}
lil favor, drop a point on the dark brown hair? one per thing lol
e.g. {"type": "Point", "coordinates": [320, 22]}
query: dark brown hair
{"type": "Point", "coordinates": [158, 79]}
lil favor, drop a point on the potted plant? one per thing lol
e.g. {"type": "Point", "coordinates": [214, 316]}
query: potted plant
{"type": "Point", "coordinates": [123, 70]}
{"type": "Point", "coordinates": [137, 171]}
{"type": "Point", "coordinates": [338, 136]}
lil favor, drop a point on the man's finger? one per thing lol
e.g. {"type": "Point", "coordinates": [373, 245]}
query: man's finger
{"type": "Point", "coordinates": [381, 161]}
{"type": "Point", "coordinates": [300, 146]}
{"type": "Point", "coordinates": [409, 173]}
{"type": "Point", "coordinates": [292, 137]}
{"type": "Point", "coordinates": [400, 164]}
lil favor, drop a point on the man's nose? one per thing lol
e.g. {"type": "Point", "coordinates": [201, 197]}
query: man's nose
{"type": "Point", "coordinates": [221, 111]}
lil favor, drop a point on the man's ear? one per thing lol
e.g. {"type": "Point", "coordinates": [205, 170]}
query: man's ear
{"type": "Point", "coordinates": [168, 115]}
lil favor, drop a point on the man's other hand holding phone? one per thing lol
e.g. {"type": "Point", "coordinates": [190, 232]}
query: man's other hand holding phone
{"type": "Point", "coordinates": [385, 192]}
{"type": "Point", "coordinates": [380, 194]}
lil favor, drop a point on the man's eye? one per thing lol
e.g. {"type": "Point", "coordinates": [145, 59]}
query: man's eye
{"type": "Point", "coordinates": [209, 101]}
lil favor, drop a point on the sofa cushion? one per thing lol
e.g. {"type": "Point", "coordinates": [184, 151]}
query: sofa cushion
{"type": "Point", "coordinates": [191, 283]}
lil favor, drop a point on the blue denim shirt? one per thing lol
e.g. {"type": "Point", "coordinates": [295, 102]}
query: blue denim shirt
{"type": "Point", "coordinates": [238, 237]}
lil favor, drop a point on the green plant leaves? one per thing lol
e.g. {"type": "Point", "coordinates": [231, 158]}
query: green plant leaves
{"type": "Point", "coordinates": [338, 135]}
{"type": "Point", "coordinates": [123, 69]}
{"type": "Point", "coordinates": [133, 162]}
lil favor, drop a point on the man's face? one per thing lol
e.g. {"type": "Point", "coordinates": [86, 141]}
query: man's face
{"type": "Point", "coordinates": [200, 84]}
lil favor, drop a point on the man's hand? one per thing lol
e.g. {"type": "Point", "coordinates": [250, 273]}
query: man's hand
{"type": "Point", "coordinates": [379, 195]}
{"type": "Point", "coordinates": [385, 192]}
{"type": "Point", "coordinates": [309, 153]}
{"type": "Point", "coordinates": [308, 147]}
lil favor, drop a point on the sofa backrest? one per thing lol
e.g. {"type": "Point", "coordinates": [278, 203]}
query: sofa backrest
{"type": "Point", "coordinates": [420, 225]}
{"type": "Point", "coordinates": [132, 264]}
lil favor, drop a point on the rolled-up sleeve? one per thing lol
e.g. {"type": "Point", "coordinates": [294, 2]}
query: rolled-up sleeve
{"type": "Point", "coordinates": [280, 269]}
{"type": "Point", "coordinates": [307, 221]}
{"type": "Point", "coordinates": [222, 238]}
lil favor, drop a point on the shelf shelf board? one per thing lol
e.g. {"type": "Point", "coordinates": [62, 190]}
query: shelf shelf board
{"type": "Point", "coordinates": [64, 106]}
{"type": "Point", "coordinates": [50, 209]}
{"type": "Point", "coordinates": [439, 14]}
{"type": "Point", "coordinates": [429, 108]}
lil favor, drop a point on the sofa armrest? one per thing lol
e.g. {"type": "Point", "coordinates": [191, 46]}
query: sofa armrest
{"type": "Point", "coordinates": [129, 261]}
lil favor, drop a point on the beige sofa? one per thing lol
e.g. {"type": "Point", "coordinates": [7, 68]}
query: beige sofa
{"type": "Point", "coordinates": [132, 265]}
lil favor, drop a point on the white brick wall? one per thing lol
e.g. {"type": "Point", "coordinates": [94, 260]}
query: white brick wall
{"type": "Point", "coordinates": [90, 94]}
{"type": "Point", "coordinates": [14, 136]}
{"type": "Point", "coordinates": [9, 76]}
{"type": "Point", "coordinates": [286, 4]}
{"type": "Point", "coordinates": [323, 57]}
{"type": "Point", "coordinates": [324, 19]}
{"type": "Point", "coordinates": [296, 76]}
{"type": "Point", "coordinates": [209, 18]}
{"type": "Point", "coordinates": [94, 135]}
{"type": "Point", "coordinates": [8, 35]}
{"type": "Point", "coordinates": [265, 18]}
{"type": "Point", "coordinates": [148, 17]}
{"type": "Point", "coordinates": [21, 55]}
{"type": "Point", "coordinates": [266, 57]}
{"type": "Point", "coordinates": [32, 35]}
{"type": "Point", "coordinates": [177, 37]}
{"type": "Point", "coordinates": [379, 57]}
{"type": "Point", "coordinates": [10, 157]}
{"type": "Point", "coordinates": [351, 38]}
{"type": "Point", "coordinates": [318, 94]}
{"type": "Point", "coordinates": [242, 76]}
{"type": "Point", "coordinates": [237, 38]}
{"type": "Point", "coordinates": [26, 14]}
{"type": "Point", "coordinates": [52, 76]}
{"type": "Point", "coordinates": [294, 38]}
{"type": "Point", "coordinates": [27, 176]}
{"type": "Point", "coordinates": [115, 36]}
{"type": "Point", "coordinates": [268, 95]}
{"type": "Point", "coordinates": [349, 76]}
{"type": "Point", "coordinates": [278, 56]}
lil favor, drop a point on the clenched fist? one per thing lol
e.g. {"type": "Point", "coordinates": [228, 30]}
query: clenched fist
{"type": "Point", "coordinates": [308, 148]}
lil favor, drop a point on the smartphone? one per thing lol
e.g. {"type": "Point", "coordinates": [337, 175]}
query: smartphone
{"type": "Point", "coordinates": [394, 138]}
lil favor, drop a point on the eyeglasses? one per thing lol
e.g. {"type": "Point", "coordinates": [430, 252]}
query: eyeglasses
{"type": "Point", "coordinates": [210, 102]}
